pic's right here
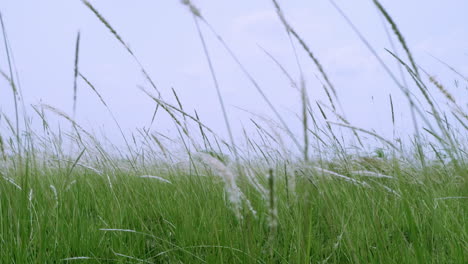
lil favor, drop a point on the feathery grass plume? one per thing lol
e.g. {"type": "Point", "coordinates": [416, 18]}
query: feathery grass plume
{"type": "Point", "coordinates": [10, 180]}
{"type": "Point", "coordinates": [398, 34]}
{"type": "Point", "coordinates": [235, 195]}
{"type": "Point", "coordinates": [388, 189]}
{"type": "Point", "coordinates": [77, 258]}
{"type": "Point", "coordinates": [196, 16]}
{"type": "Point", "coordinates": [156, 178]}
{"type": "Point", "coordinates": [317, 63]}
{"type": "Point", "coordinates": [54, 191]}
{"type": "Point", "coordinates": [87, 167]}
{"type": "Point", "coordinates": [272, 213]}
{"type": "Point", "coordinates": [109, 181]}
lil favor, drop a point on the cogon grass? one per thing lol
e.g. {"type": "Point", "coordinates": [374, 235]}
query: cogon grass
{"type": "Point", "coordinates": [403, 213]}
{"type": "Point", "coordinates": [156, 178]}
{"type": "Point", "coordinates": [235, 195]}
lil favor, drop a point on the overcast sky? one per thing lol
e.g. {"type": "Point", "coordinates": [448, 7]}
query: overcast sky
{"type": "Point", "coordinates": [163, 36]}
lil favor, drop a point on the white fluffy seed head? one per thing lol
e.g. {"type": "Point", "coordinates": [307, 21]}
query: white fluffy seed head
{"type": "Point", "coordinates": [54, 191]}
{"type": "Point", "coordinates": [10, 180]}
{"type": "Point", "coordinates": [31, 195]}
{"type": "Point", "coordinates": [235, 195]}
{"type": "Point", "coordinates": [346, 178]}
{"type": "Point", "coordinates": [156, 178]}
{"type": "Point", "coordinates": [76, 258]}
{"type": "Point", "coordinates": [70, 185]}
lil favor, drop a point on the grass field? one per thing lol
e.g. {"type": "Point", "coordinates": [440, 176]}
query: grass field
{"type": "Point", "coordinates": [316, 218]}
{"type": "Point", "coordinates": [70, 198]}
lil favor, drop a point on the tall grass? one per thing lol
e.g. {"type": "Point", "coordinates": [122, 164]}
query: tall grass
{"type": "Point", "coordinates": [197, 198]}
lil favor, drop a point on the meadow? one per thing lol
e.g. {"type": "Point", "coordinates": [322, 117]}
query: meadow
{"type": "Point", "coordinates": [280, 197]}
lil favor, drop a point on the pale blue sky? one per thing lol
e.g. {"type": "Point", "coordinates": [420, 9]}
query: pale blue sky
{"type": "Point", "coordinates": [163, 36]}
